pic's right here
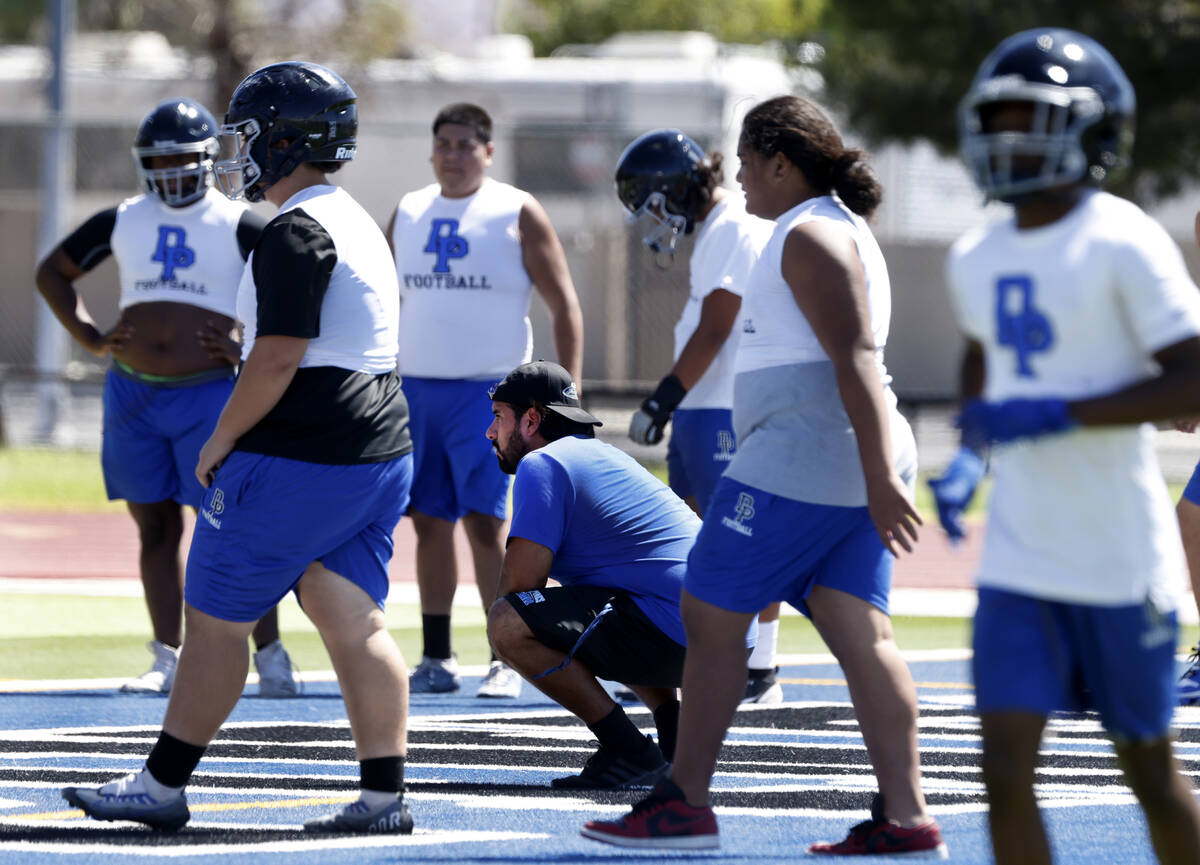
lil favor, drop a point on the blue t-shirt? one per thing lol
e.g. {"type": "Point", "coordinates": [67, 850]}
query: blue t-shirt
{"type": "Point", "coordinates": [608, 522]}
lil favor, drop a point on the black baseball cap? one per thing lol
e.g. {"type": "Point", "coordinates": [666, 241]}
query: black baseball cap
{"type": "Point", "coordinates": [545, 383]}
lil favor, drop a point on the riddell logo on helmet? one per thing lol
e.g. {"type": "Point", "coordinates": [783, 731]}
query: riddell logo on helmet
{"type": "Point", "coordinates": [344, 153]}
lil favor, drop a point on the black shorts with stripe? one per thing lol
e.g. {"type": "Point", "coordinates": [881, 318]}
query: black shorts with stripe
{"type": "Point", "coordinates": [625, 646]}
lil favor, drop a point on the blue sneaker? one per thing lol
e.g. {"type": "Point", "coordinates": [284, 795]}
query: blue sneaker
{"type": "Point", "coordinates": [128, 799]}
{"type": "Point", "coordinates": [1188, 689]}
{"type": "Point", "coordinates": [360, 818]}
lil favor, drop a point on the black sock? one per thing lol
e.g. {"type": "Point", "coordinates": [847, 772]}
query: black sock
{"type": "Point", "coordinates": [436, 630]}
{"type": "Point", "coordinates": [172, 761]}
{"type": "Point", "coordinates": [764, 673]}
{"type": "Point", "coordinates": [383, 774]}
{"type": "Point", "coordinates": [666, 719]}
{"type": "Point", "coordinates": [617, 733]}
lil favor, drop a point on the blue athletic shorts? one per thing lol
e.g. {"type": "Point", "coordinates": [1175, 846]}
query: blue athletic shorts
{"type": "Point", "coordinates": [1033, 655]}
{"type": "Point", "coordinates": [153, 434]}
{"type": "Point", "coordinates": [756, 548]}
{"type": "Point", "coordinates": [1192, 491]}
{"type": "Point", "coordinates": [701, 446]}
{"type": "Point", "coordinates": [454, 467]}
{"type": "Point", "coordinates": [265, 519]}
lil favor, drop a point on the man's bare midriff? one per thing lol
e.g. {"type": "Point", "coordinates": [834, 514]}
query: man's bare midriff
{"type": "Point", "coordinates": [165, 338]}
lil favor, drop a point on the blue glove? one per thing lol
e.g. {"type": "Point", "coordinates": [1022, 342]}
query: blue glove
{"type": "Point", "coordinates": [1013, 419]}
{"type": "Point", "coordinates": [955, 488]}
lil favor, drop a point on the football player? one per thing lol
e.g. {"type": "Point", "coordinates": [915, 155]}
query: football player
{"type": "Point", "coordinates": [1082, 326]}
{"type": "Point", "coordinates": [308, 468]}
{"type": "Point", "coordinates": [817, 500]}
{"type": "Point", "coordinates": [469, 253]}
{"type": "Point", "coordinates": [665, 179]}
{"type": "Point", "coordinates": [180, 248]}
{"type": "Point", "coordinates": [1187, 511]}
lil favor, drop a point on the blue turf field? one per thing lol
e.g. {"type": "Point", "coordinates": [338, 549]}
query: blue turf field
{"type": "Point", "coordinates": [478, 773]}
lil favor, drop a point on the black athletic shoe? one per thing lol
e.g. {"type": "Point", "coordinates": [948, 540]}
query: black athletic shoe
{"type": "Point", "coordinates": [359, 817]}
{"type": "Point", "coordinates": [607, 771]}
{"type": "Point", "coordinates": [763, 688]}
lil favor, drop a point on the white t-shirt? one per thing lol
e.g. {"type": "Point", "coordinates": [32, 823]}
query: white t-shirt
{"type": "Point", "coordinates": [464, 311]}
{"type": "Point", "coordinates": [1072, 310]}
{"type": "Point", "coordinates": [179, 254]}
{"type": "Point", "coordinates": [728, 242]}
{"type": "Point", "coordinates": [774, 330]}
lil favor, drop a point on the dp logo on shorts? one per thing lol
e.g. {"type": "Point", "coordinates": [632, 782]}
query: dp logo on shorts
{"type": "Point", "coordinates": [725, 449]}
{"type": "Point", "coordinates": [743, 511]}
{"type": "Point", "coordinates": [446, 243]}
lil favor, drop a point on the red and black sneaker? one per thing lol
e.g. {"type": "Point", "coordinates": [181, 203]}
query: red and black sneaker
{"type": "Point", "coordinates": [881, 837]}
{"type": "Point", "coordinates": [662, 820]}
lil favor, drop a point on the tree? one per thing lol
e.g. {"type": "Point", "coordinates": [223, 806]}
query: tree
{"type": "Point", "coordinates": [551, 23]}
{"type": "Point", "coordinates": [239, 35]}
{"type": "Point", "coordinates": [897, 70]}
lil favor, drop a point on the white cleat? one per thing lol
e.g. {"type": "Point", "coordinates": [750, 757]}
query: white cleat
{"type": "Point", "coordinates": [274, 667]}
{"type": "Point", "coordinates": [159, 678]}
{"type": "Point", "coordinates": [500, 681]}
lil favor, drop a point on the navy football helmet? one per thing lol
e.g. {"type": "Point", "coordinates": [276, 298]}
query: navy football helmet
{"type": "Point", "coordinates": [176, 127]}
{"type": "Point", "coordinates": [660, 176]}
{"type": "Point", "coordinates": [306, 105]}
{"type": "Point", "coordinates": [1083, 115]}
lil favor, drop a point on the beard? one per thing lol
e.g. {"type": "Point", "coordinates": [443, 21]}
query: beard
{"type": "Point", "coordinates": [509, 456]}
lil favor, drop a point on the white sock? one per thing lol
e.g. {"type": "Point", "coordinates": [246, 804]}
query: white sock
{"type": "Point", "coordinates": [377, 798]}
{"type": "Point", "coordinates": [763, 656]}
{"type": "Point", "coordinates": [157, 790]}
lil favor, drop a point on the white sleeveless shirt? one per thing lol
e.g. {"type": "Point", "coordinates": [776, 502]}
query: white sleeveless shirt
{"type": "Point", "coordinates": [794, 436]}
{"type": "Point", "coordinates": [464, 290]}
{"type": "Point", "coordinates": [179, 254]}
{"type": "Point", "coordinates": [774, 330]}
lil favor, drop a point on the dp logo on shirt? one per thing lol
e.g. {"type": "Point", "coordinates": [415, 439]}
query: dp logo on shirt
{"type": "Point", "coordinates": [172, 250]}
{"type": "Point", "coordinates": [445, 243]}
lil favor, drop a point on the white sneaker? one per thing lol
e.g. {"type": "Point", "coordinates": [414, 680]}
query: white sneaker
{"type": "Point", "coordinates": [500, 681]}
{"type": "Point", "coordinates": [435, 676]}
{"type": "Point", "coordinates": [274, 667]}
{"type": "Point", "coordinates": [159, 678]}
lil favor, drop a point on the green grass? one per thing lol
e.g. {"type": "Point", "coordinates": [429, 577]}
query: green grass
{"type": "Point", "coordinates": [61, 636]}
{"type": "Point", "coordinates": [47, 479]}
{"type": "Point", "coordinates": [67, 637]}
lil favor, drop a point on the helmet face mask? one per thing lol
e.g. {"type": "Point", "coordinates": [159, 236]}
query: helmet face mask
{"type": "Point", "coordinates": [661, 182]}
{"type": "Point", "coordinates": [280, 117]}
{"type": "Point", "coordinates": [1080, 107]}
{"type": "Point", "coordinates": [237, 172]}
{"type": "Point", "coordinates": [660, 228]}
{"type": "Point", "coordinates": [175, 128]}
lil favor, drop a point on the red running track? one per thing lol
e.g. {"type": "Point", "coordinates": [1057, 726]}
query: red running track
{"type": "Point", "coordinates": [104, 545]}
